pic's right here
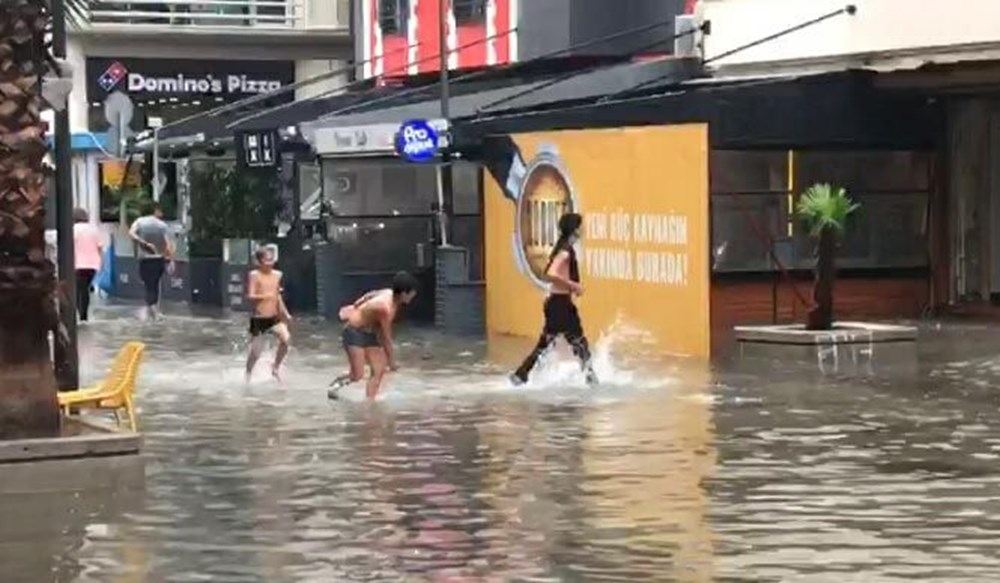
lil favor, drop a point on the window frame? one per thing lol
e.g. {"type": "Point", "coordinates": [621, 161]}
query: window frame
{"type": "Point", "coordinates": [468, 12]}
{"type": "Point", "coordinates": [397, 19]}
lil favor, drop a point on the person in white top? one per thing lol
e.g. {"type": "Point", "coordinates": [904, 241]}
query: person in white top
{"type": "Point", "coordinates": [88, 253]}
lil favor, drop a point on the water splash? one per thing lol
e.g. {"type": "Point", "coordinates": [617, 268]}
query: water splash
{"type": "Point", "coordinates": [559, 367]}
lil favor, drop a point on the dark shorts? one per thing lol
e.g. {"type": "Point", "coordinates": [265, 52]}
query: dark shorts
{"type": "Point", "coordinates": [561, 316]}
{"type": "Point", "coordinates": [260, 326]}
{"type": "Point", "coordinates": [359, 338]}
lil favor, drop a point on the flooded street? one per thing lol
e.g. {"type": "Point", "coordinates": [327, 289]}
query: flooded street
{"type": "Point", "coordinates": [669, 471]}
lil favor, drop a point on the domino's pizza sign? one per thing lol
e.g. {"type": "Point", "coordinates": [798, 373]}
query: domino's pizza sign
{"type": "Point", "coordinates": [417, 141]}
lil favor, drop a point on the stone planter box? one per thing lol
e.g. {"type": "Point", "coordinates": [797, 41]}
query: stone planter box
{"type": "Point", "coordinates": [843, 333]}
{"type": "Point", "coordinates": [852, 348]}
{"type": "Point", "coordinates": [80, 439]}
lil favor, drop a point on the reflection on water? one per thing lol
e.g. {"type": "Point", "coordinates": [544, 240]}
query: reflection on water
{"type": "Point", "coordinates": [667, 472]}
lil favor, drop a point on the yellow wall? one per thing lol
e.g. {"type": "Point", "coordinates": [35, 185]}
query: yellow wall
{"type": "Point", "coordinates": [636, 179]}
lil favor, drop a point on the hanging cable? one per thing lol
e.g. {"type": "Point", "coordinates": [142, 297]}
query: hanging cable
{"type": "Point", "coordinates": [572, 74]}
{"type": "Point", "coordinates": [850, 9]}
{"type": "Point", "coordinates": [381, 99]}
{"type": "Point", "coordinates": [493, 70]}
{"type": "Point", "coordinates": [216, 111]}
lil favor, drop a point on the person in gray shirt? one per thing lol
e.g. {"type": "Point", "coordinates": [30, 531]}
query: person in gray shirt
{"type": "Point", "coordinates": [156, 255]}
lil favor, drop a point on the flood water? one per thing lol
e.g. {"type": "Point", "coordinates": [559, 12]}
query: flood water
{"type": "Point", "coordinates": [669, 471]}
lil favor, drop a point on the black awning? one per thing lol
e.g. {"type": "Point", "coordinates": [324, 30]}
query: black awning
{"type": "Point", "coordinates": [838, 109]}
{"type": "Point", "coordinates": [474, 100]}
{"type": "Point", "coordinates": [304, 110]}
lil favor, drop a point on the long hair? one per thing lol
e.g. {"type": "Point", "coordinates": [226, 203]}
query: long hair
{"type": "Point", "coordinates": [569, 223]}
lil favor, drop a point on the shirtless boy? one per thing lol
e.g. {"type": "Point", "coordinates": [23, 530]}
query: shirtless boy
{"type": "Point", "coordinates": [367, 334]}
{"type": "Point", "coordinates": [270, 316]}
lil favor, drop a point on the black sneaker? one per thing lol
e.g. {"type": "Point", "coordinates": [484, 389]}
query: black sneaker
{"type": "Point", "coordinates": [333, 394]}
{"type": "Point", "coordinates": [592, 378]}
{"type": "Point", "coordinates": [516, 380]}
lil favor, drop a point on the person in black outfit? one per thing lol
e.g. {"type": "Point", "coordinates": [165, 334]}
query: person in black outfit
{"type": "Point", "coordinates": [561, 315]}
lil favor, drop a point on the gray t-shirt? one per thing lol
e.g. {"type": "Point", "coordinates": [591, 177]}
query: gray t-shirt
{"type": "Point", "coordinates": [153, 231]}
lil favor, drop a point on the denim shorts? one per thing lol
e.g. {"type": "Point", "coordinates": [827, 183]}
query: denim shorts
{"type": "Point", "coordinates": [359, 338]}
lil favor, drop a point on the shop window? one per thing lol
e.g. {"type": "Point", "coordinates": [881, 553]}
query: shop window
{"type": "Point", "coordinates": [750, 208]}
{"type": "Point", "coordinates": [743, 228]}
{"type": "Point", "coordinates": [379, 187]}
{"type": "Point", "coordinates": [733, 171]}
{"type": "Point", "coordinates": [120, 192]}
{"type": "Point", "coordinates": [469, 11]}
{"type": "Point", "coordinates": [870, 171]}
{"type": "Point", "coordinates": [381, 244]}
{"type": "Point", "coordinates": [392, 16]}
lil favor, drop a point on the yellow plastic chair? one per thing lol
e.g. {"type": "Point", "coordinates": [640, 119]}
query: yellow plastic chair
{"type": "Point", "coordinates": [116, 391]}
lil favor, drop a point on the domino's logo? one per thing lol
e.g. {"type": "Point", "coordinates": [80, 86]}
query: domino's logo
{"type": "Point", "coordinates": [112, 77]}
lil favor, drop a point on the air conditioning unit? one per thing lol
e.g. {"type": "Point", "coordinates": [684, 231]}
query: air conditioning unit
{"type": "Point", "coordinates": [687, 37]}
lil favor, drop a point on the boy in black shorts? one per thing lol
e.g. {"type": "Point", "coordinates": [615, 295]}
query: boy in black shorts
{"type": "Point", "coordinates": [270, 316]}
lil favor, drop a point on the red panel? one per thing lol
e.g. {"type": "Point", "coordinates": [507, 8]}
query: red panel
{"type": "Point", "coordinates": [503, 26]}
{"type": "Point", "coordinates": [395, 56]}
{"type": "Point", "coordinates": [474, 55]}
{"type": "Point", "coordinates": [428, 15]}
{"type": "Point", "coordinates": [394, 49]}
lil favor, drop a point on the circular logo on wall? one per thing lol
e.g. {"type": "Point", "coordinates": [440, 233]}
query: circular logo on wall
{"type": "Point", "coordinates": [417, 141]}
{"type": "Point", "coordinates": [546, 194]}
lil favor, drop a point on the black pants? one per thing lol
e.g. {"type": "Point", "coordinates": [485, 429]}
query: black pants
{"type": "Point", "coordinates": [561, 318]}
{"type": "Point", "coordinates": [151, 271]}
{"type": "Point", "coordinates": [83, 279]}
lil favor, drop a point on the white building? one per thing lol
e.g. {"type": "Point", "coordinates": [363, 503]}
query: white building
{"type": "Point", "coordinates": [175, 58]}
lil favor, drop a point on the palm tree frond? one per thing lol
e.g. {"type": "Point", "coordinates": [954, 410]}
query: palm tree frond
{"type": "Point", "coordinates": [823, 206]}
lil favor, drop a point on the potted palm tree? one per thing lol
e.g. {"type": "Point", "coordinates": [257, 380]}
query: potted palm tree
{"type": "Point", "coordinates": [825, 209]}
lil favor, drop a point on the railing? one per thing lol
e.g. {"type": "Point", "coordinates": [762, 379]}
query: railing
{"type": "Point", "coordinates": [272, 14]}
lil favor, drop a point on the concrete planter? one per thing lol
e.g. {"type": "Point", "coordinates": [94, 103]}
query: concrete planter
{"type": "Point", "coordinates": [80, 439]}
{"type": "Point", "coordinates": [852, 348]}
{"type": "Point", "coordinates": [843, 333]}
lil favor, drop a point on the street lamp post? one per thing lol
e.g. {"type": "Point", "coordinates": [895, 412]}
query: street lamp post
{"type": "Point", "coordinates": [66, 357]}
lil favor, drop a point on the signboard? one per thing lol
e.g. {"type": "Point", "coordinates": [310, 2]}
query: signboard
{"type": "Point", "coordinates": [643, 193]}
{"type": "Point", "coordinates": [368, 139]}
{"type": "Point", "coordinates": [186, 79]}
{"type": "Point", "coordinates": [417, 141]}
{"type": "Point", "coordinates": [258, 149]}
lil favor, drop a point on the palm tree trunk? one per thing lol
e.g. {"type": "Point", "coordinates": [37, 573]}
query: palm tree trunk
{"type": "Point", "coordinates": [821, 315]}
{"type": "Point", "coordinates": [28, 405]}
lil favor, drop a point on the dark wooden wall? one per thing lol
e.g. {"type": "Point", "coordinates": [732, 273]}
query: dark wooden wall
{"type": "Point", "coordinates": [749, 301]}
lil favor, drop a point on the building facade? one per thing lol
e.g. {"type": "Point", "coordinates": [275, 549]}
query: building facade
{"type": "Point", "coordinates": [950, 59]}
{"type": "Point", "coordinates": [171, 60]}
{"type": "Point", "coordinates": [383, 210]}
{"type": "Point", "coordinates": [140, 66]}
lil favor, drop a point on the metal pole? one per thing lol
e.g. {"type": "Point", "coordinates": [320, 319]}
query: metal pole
{"type": "Point", "coordinates": [66, 357]}
{"type": "Point", "coordinates": [446, 196]}
{"type": "Point", "coordinates": [156, 164]}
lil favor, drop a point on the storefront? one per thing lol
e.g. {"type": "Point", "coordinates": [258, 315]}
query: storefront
{"type": "Point", "coordinates": [383, 210]}
{"type": "Point", "coordinates": [381, 214]}
{"type": "Point", "coordinates": [766, 141]}
{"type": "Point", "coordinates": [166, 90]}
{"type": "Point", "coordinates": [128, 96]}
